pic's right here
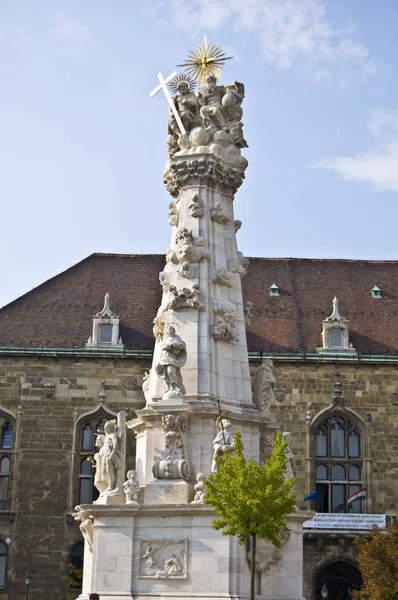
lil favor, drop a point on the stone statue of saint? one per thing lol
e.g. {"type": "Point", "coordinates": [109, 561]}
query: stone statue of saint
{"type": "Point", "coordinates": [224, 440]}
{"type": "Point", "coordinates": [173, 356]}
{"type": "Point", "coordinates": [210, 97]}
{"type": "Point", "coordinates": [101, 481]}
{"type": "Point", "coordinates": [111, 460]}
{"type": "Point", "coordinates": [188, 107]}
{"type": "Point", "coordinates": [131, 487]}
{"type": "Point", "coordinates": [289, 456]}
{"type": "Point", "coordinates": [263, 387]}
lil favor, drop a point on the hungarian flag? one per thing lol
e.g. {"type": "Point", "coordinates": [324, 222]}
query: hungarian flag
{"type": "Point", "coordinates": [357, 495]}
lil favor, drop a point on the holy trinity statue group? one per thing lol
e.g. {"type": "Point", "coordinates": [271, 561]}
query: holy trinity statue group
{"type": "Point", "coordinates": [214, 108]}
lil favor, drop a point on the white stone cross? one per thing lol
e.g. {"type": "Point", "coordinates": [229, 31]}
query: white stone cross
{"type": "Point", "coordinates": [163, 86]}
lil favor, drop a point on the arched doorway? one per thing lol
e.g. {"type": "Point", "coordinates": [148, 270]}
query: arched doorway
{"type": "Point", "coordinates": [339, 577]}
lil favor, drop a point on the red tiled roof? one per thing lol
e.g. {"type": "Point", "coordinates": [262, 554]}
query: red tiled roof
{"type": "Point", "coordinates": [59, 312]}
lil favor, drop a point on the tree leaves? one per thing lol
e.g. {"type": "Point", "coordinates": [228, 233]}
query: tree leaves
{"type": "Point", "coordinates": [249, 498]}
{"type": "Point", "coordinates": [378, 561]}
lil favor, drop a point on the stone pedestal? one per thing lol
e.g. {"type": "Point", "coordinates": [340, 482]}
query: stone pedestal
{"type": "Point", "coordinates": [173, 551]}
{"type": "Point", "coordinates": [168, 492]}
{"type": "Point", "coordinates": [111, 499]}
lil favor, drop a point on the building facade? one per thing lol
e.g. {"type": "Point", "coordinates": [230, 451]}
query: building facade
{"type": "Point", "coordinates": [66, 364]}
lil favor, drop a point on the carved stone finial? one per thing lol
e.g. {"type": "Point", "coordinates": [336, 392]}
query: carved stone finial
{"type": "Point", "coordinates": [106, 311]}
{"type": "Point", "coordinates": [336, 316]}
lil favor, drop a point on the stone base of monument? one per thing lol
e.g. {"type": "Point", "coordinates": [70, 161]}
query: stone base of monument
{"type": "Point", "coordinates": [111, 499]}
{"type": "Point", "coordinates": [168, 492]}
{"type": "Point", "coordinates": [173, 551]}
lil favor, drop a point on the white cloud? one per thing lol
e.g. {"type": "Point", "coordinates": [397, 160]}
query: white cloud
{"type": "Point", "coordinates": [292, 34]}
{"type": "Point", "coordinates": [71, 35]}
{"type": "Point", "coordinates": [378, 167]}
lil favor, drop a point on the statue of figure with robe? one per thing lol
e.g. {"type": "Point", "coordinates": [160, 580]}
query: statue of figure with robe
{"type": "Point", "coordinates": [111, 459]}
{"type": "Point", "coordinates": [210, 97]}
{"type": "Point", "coordinates": [263, 387]}
{"type": "Point", "coordinates": [188, 108]}
{"type": "Point", "coordinates": [173, 357]}
{"type": "Point", "coordinates": [224, 440]}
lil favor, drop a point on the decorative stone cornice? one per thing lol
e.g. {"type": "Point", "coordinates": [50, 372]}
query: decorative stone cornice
{"type": "Point", "coordinates": [204, 171]}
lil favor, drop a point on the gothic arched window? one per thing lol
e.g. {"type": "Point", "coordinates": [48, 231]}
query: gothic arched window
{"type": "Point", "coordinates": [338, 465]}
{"type": "Point", "coordinates": [6, 435]}
{"type": "Point", "coordinates": [6, 456]}
{"type": "Point", "coordinates": [90, 429]}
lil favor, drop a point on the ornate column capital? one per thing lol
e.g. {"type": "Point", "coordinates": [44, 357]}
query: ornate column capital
{"type": "Point", "coordinates": [206, 170]}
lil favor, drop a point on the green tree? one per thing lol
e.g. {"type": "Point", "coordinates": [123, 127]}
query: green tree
{"type": "Point", "coordinates": [378, 562]}
{"type": "Point", "coordinates": [251, 500]}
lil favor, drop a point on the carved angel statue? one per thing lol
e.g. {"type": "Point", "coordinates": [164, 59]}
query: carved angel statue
{"type": "Point", "coordinates": [196, 206]}
{"type": "Point", "coordinates": [131, 487]}
{"type": "Point", "coordinates": [224, 440]}
{"type": "Point", "coordinates": [86, 527]}
{"type": "Point", "coordinates": [263, 387]}
{"type": "Point", "coordinates": [173, 357]}
{"type": "Point", "coordinates": [111, 457]}
{"type": "Point", "coordinates": [101, 481]}
{"type": "Point", "coordinates": [199, 489]}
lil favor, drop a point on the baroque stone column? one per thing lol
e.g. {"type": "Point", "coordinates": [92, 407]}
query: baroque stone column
{"type": "Point", "coordinates": [200, 365]}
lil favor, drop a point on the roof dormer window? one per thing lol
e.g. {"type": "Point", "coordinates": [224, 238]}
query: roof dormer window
{"type": "Point", "coordinates": [105, 328]}
{"type": "Point", "coordinates": [335, 332]}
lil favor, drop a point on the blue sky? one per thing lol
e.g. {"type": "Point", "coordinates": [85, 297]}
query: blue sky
{"type": "Point", "coordinates": [83, 147]}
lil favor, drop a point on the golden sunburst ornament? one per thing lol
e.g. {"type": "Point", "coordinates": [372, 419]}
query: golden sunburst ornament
{"type": "Point", "coordinates": [182, 78]}
{"type": "Point", "coordinates": [205, 60]}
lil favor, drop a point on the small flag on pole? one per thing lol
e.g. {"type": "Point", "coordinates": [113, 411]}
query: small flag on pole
{"type": "Point", "coordinates": [312, 496]}
{"type": "Point", "coordinates": [358, 495]}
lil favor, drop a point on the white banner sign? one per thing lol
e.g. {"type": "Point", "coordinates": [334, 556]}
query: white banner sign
{"type": "Point", "coordinates": [345, 521]}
